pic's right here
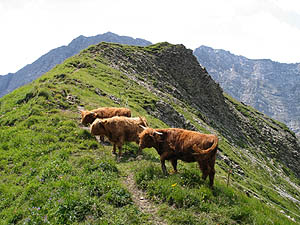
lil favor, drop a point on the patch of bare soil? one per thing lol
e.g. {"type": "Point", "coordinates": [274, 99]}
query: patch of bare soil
{"type": "Point", "coordinates": [144, 205]}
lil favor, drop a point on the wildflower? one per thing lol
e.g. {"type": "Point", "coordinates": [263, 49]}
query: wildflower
{"type": "Point", "coordinates": [173, 185]}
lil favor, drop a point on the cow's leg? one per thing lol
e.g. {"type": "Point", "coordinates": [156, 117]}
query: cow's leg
{"type": "Point", "coordinates": [174, 164]}
{"type": "Point", "coordinates": [114, 149]}
{"type": "Point", "coordinates": [101, 138]}
{"type": "Point", "coordinates": [203, 167]}
{"type": "Point", "coordinates": [120, 150]}
{"type": "Point", "coordinates": [212, 170]}
{"type": "Point", "coordinates": [211, 176]}
{"type": "Point", "coordinates": [163, 165]}
{"type": "Point", "coordinates": [120, 144]}
{"type": "Point", "coordinates": [118, 156]}
{"type": "Point", "coordinates": [140, 150]}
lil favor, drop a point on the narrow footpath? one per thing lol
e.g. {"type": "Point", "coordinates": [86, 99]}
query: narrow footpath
{"type": "Point", "coordinates": [144, 205]}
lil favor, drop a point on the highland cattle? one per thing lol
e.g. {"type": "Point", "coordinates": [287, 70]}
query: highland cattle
{"type": "Point", "coordinates": [119, 129]}
{"type": "Point", "coordinates": [189, 146]}
{"type": "Point", "coordinates": [88, 117]}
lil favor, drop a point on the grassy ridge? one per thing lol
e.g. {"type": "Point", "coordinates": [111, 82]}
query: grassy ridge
{"type": "Point", "coordinates": [54, 172]}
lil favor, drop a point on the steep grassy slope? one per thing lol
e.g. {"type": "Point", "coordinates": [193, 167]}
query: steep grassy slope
{"type": "Point", "coordinates": [53, 171]}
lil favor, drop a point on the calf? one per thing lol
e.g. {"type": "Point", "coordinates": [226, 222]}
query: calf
{"type": "Point", "coordinates": [88, 117]}
{"type": "Point", "coordinates": [189, 146]}
{"type": "Point", "coordinates": [119, 130]}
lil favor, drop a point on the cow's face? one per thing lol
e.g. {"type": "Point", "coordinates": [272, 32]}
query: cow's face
{"type": "Point", "coordinates": [97, 127]}
{"type": "Point", "coordinates": [87, 117]}
{"type": "Point", "coordinates": [150, 138]}
{"type": "Point", "coordinates": [146, 139]}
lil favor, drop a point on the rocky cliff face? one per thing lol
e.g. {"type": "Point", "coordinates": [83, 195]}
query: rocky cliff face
{"type": "Point", "coordinates": [11, 81]}
{"type": "Point", "coordinates": [173, 72]}
{"type": "Point", "coordinates": [271, 87]}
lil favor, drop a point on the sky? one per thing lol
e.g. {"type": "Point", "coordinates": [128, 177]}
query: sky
{"type": "Point", "coordinates": [256, 29]}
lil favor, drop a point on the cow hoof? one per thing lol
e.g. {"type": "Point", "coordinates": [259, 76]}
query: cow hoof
{"type": "Point", "coordinates": [119, 159]}
{"type": "Point", "coordinates": [139, 157]}
{"type": "Point", "coordinates": [173, 171]}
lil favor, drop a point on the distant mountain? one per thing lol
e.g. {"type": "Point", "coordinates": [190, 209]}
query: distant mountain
{"type": "Point", "coordinates": [271, 87]}
{"type": "Point", "coordinates": [11, 81]}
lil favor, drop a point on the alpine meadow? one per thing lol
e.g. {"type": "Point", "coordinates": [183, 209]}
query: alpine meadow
{"type": "Point", "coordinates": [53, 171]}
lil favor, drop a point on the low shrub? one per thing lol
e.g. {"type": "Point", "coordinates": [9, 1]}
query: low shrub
{"type": "Point", "coordinates": [147, 173]}
{"type": "Point", "coordinates": [118, 196]}
{"type": "Point", "coordinates": [190, 178]}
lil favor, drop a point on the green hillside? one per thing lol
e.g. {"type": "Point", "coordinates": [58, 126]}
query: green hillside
{"type": "Point", "coordinates": [52, 171]}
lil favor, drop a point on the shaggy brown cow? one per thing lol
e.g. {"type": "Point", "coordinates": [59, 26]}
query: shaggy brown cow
{"type": "Point", "coordinates": [119, 130]}
{"type": "Point", "coordinates": [88, 117]}
{"type": "Point", "coordinates": [189, 146]}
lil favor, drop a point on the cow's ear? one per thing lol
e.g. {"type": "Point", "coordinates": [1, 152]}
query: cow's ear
{"type": "Point", "coordinates": [94, 115]}
{"type": "Point", "coordinates": [103, 122]}
{"type": "Point", "coordinates": [99, 124]}
{"type": "Point", "coordinates": [159, 137]}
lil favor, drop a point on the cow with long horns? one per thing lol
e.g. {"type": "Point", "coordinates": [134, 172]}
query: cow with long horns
{"type": "Point", "coordinates": [189, 146]}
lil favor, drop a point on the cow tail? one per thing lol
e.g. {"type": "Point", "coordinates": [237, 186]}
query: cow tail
{"type": "Point", "coordinates": [212, 149]}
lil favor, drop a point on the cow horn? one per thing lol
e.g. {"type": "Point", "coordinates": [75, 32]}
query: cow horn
{"type": "Point", "coordinates": [143, 127]}
{"type": "Point", "coordinates": [159, 133]}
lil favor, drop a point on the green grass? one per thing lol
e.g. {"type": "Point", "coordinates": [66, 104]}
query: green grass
{"type": "Point", "coordinates": [54, 172]}
{"type": "Point", "coordinates": [186, 191]}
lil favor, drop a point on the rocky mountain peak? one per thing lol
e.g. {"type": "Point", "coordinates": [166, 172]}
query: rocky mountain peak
{"type": "Point", "coordinates": [270, 87]}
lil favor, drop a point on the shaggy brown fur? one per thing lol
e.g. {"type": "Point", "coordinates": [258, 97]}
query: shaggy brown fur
{"type": "Point", "coordinates": [88, 117]}
{"type": "Point", "coordinates": [189, 146]}
{"type": "Point", "coordinates": [119, 130]}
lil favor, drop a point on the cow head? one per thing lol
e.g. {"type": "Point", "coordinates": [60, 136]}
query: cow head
{"type": "Point", "coordinates": [149, 138]}
{"type": "Point", "coordinates": [88, 117]}
{"type": "Point", "coordinates": [98, 127]}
